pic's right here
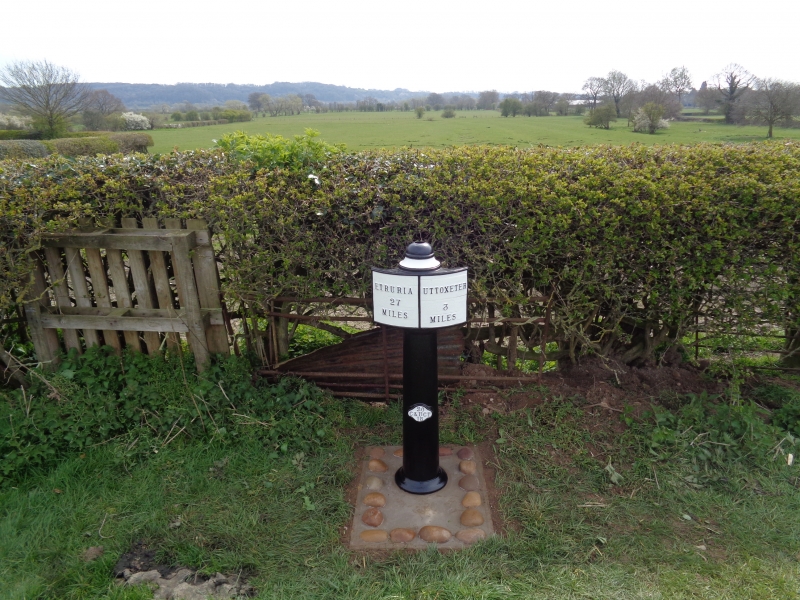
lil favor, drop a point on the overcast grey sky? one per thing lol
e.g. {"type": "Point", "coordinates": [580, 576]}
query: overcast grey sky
{"type": "Point", "coordinates": [434, 46]}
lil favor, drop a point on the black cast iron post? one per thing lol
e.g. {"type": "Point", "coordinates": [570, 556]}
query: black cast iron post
{"type": "Point", "coordinates": [420, 297]}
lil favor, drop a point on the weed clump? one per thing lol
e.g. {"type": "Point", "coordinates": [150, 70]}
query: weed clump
{"type": "Point", "coordinates": [138, 402]}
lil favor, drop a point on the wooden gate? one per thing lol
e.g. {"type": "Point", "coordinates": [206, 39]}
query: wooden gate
{"type": "Point", "coordinates": [142, 288]}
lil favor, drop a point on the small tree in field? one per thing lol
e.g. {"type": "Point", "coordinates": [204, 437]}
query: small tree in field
{"type": "Point", "coordinates": [420, 111]}
{"type": "Point", "coordinates": [448, 113]}
{"type": "Point", "coordinates": [601, 117]}
{"type": "Point", "coordinates": [135, 121]}
{"type": "Point", "coordinates": [649, 118]}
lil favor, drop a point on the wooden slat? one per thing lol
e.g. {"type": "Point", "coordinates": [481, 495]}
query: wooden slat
{"type": "Point", "coordinates": [116, 268]}
{"type": "Point", "coordinates": [191, 304]}
{"type": "Point", "coordinates": [46, 351]}
{"type": "Point", "coordinates": [59, 282]}
{"type": "Point", "coordinates": [158, 267]}
{"type": "Point", "coordinates": [97, 271]}
{"type": "Point", "coordinates": [142, 240]}
{"type": "Point", "coordinates": [175, 224]}
{"type": "Point", "coordinates": [205, 272]}
{"type": "Point", "coordinates": [211, 316]}
{"type": "Point", "coordinates": [46, 304]}
{"type": "Point", "coordinates": [120, 323]}
{"type": "Point", "coordinates": [144, 295]}
{"type": "Point", "coordinates": [81, 290]}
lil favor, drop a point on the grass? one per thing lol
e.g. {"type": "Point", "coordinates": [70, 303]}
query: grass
{"type": "Point", "coordinates": [361, 131]}
{"type": "Point", "coordinates": [660, 532]}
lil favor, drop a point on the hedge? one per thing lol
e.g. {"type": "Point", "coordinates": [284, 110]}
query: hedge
{"type": "Point", "coordinates": [23, 149]}
{"type": "Point", "coordinates": [83, 146]}
{"type": "Point", "coordinates": [631, 242]}
{"type": "Point", "coordinates": [132, 141]}
{"type": "Point", "coordinates": [19, 134]}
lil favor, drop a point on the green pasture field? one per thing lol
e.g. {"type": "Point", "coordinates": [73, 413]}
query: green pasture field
{"type": "Point", "coordinates": [361, 131]}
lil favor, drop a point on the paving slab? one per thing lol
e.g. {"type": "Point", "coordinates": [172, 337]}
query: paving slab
{"type": "Point", "coordinates": [394, 515]}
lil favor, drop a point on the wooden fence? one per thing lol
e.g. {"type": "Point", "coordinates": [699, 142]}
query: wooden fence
{"type": "Point", "coordinates": [142, 288]}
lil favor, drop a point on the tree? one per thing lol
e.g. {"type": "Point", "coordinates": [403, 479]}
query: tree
{"type": "Point", "coordinates": [593, 88]}
{"type": "Point", "coordinates": [773, 101]}
{"type": "Point", "coordinates": [678, 82]}
{"type": "Point", "coordinates": [616, 86]}
{"type": "Point", "coordinates": [437, 101]}
{"type": "Point", "coordinates": [656, 94]}
{"type": "Point", "coordinates": [732, 82]}
{"type": "Point", "coordinates": [563, 103]}
{"type": "Point", "coordinates": [488, 100]}
{"type": "Point", "coordinates": [649, 118]}
{"type": "Point", "coordinates": [104, 102]}
{"type": "Point", "coordinates": [601, 116]}
{"type": "Point", "coordinates": [254, 102]}
{"type": "Point", "coordinates": [48, 93]}
{"type": "Point", "coordinates": [510, 106]}
{"type": "Point", "coordinates": [706, 98]}
{"type": "Point", "coordinates": [420, 110]}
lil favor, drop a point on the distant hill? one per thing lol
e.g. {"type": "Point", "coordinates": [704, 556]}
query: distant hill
{"type": "Point", "coordinates": [143, 95]}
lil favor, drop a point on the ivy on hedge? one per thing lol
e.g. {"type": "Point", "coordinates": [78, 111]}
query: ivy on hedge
{"type": "Point", "coordinates": [632, 242]}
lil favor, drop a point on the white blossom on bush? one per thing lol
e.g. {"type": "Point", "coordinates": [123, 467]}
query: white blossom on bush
{"type": "Point", "coordinates": [645, 122]}
{"type": "Point", "coordinates": [135, 121]}
{"type": "Point", "coordinates": [13, 122]}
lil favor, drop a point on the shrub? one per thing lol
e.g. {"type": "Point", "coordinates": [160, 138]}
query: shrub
{"type": "Point", "coordinates": [88, 146]}
{"type": "Point", "coordinates": [301, 154]}
{"type": "Point", "coordinates": [134, 121]}
{"type": "Point", "coordinates": [448, 113]}
{"type": "Point", "coordinates": [132, 142]}
{"type": "Point", "coordinates": [14, 122]}
{"type": "Point", "coordinates": [22, 149]}
{"type": "Point", "coordinates": [648, 118]}
{"type": "Point", "coordinates": [191, 116]}
{"type": "Point", "coordinates": [176, 116]}
{"type": "Point", "coordinates": [602, 116]}
{"type": "Point", "coordinates": [420, 110]}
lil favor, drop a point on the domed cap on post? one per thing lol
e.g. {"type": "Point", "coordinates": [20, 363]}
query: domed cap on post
{"type": "Point", "coordinates": [419, 257]}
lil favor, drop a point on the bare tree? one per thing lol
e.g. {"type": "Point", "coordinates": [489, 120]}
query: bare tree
{"type": "Point", "coordinates": [593, 88]}
{"type": "Point", "coordinates": [677, 81]}
{"type": "Point", "coordinates": [732, 82]}
{"type": "Point", "coordinates": [773, 101]}
{"type": "Point", "coordinates": [487, 100]}
{"type": "Point", "coordinates": [104, 102]}
{"type": "Point", "coordinates": [616, 86]}
{"type": "Point", "coordinates": [48, 93]}
{"type": "Point", "coordinates": [707, 97]}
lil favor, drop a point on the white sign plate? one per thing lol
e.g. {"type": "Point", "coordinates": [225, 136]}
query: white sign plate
{"type": "Point", "coordinates": [396, 299]}
{"type": "Point", "coordinates": [443, 300]}
{"type": "Point", "coordinates": [420, 412]}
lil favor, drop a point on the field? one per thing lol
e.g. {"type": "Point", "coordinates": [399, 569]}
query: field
{"type": "Point", "coordinates": [360, 131]}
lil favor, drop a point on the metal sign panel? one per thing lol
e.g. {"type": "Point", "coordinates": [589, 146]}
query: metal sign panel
{"type": "Point", "coordinates": [396, 299]}
{"type": "Point", "coordinates": [443, 300]}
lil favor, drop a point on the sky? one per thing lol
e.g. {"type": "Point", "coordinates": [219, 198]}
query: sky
{"type": "Point", "coordinates": [435, 46]}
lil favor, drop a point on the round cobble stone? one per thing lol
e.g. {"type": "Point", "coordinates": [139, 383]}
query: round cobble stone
{"type": "Point", "coordinates": [465, 453]}
{"type": "Point", "coordinates": [376, 465]}
{"type": "Point", "coordinates": [434, 533]}
{"type": "Point", "coordinates": [374, 483]}
{"type": "Point", "coordinates": [376, 452]}
{"type": "Point", "coordinates": [470, 536]}
{"type": "Point", "coordinates": [471, 518]}
{"type": "Point", "coordinates": [469, 483]}
{"type": "Point", "coordinates": [468, 467]}
{"type": "Point", "coordinates": [471, 500]}
{"type": "Point", "coordinates": [372, 517]}
{"type": "Point", "coordinates": [374, 535]}
{"type": "Point", "coordinates": [375, 499]}
{"type": "Point", "coordinates": [402, 535]}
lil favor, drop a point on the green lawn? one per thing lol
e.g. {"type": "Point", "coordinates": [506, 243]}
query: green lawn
{"type": "Point", "coordinates": [361, 131]}
{"type": "Point", "coordinates": [672, 527]}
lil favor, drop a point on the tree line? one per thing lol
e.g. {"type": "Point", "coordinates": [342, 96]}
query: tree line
{"type": "Point", "coordinates": [53, 98]}
{"type": "Point", "coordinates": [738, 95]}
